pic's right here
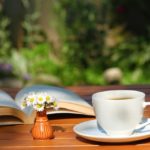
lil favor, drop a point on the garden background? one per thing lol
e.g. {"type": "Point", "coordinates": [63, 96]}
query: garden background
{"type": "Point", "coordinates": [74, 42]}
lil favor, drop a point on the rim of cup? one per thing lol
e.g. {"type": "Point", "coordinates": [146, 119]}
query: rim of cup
{"type": "Point", "coordinates": [108, 94]}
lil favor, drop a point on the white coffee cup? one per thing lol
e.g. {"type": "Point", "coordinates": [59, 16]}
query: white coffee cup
{"type": "Point", "coordinates": [118, 112]}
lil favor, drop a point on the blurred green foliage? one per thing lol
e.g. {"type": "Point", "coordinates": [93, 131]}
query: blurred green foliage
{"type": "Point", "coordinates": [84, 32]}
{"type": "Point", "coordinates": [5, 44]}
{"type": "Point", "coordinates": [100, 35]}
{"type": "Point", "coordinates": [94, 36]}
{"type": "Point", "coordinates": [82, 41]}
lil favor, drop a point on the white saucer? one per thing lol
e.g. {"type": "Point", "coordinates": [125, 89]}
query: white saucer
{"type": "Point", "coordinates": [90, 131]}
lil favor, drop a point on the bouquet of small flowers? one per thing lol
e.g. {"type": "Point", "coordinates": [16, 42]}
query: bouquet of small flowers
{"type": "Point", "coordinates": [39, 101]}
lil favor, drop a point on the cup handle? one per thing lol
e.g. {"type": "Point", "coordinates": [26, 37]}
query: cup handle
{"type": "Point", "coordinates": [146, 104]}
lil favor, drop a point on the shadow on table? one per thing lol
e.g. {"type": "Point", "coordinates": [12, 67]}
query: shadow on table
{"type": "Point", "coordinates": [113, 144]}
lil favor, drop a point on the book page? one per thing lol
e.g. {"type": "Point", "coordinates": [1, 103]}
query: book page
{"type": "Point", "coordinates": [62, 111]}
{"type": "Point", "coordinates": [10, 116]}
{"type": "Point", "coordinates": [7, 101]}
{"type": "Point", "coordinates": [9, 120]}
{"type": "Point", "coordinates": [59, 93]}
{"type": "Point", "coordinates": [11, 113]}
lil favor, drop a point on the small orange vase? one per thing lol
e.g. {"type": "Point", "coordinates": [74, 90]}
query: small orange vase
{"type": "Point", "coordinates": [41, 129]}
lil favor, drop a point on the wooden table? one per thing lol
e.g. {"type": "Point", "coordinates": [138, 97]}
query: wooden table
{"type": "Point", "coordinates": [19, 137]}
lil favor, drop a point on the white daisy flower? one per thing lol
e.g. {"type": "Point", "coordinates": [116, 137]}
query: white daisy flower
{"type": "Point", "coordinates": [23, 104]}
{"type": "Point", "coordinates": [38, 107]}
{"type": "Point", "coordinates": [31, 99]}
{"type": "Point", "coordinates": [48, 99]}
{"type": "Point", "coordinates": [40, 98]}
{"type": "Point", "coordinates": [39, 101]}
{"type": "Point", "coordinates": [54, 105]}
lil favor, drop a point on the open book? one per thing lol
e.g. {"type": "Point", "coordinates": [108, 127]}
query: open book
{"type": "Point", "coordinates": [68, 102]}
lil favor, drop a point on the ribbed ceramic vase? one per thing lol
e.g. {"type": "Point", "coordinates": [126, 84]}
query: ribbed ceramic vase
{"type": "Point", "coordinates": [42, 130]}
